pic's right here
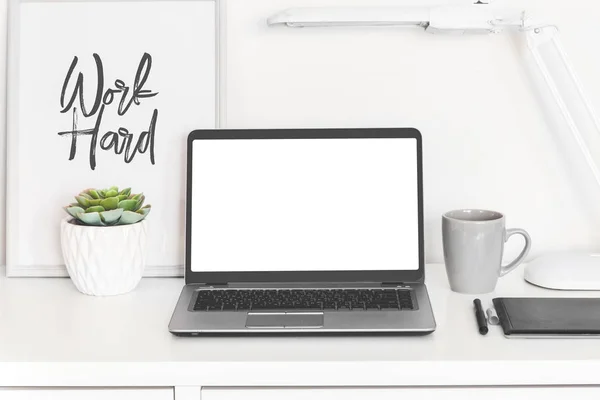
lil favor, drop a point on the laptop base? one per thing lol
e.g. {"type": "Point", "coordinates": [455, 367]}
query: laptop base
{"type": "Point", "coordinates": [188, 322]}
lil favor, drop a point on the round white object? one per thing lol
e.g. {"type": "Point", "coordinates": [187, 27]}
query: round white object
{"type": "Point", "coordinates": [565, 271]}
{"type": "Point", "coordinates": [104, 260]}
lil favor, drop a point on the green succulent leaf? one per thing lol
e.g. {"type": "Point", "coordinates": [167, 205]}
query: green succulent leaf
{"type": "Point", "coordinates": [115, 188]}
{"type": "Point", "coordinates": [127, 205]}
{"type": "Point", "coordinates": [95, 202]}
{"type": "Point", "coordinates": [94, 209]}
{"type": "Point", "coordinates": [94, 193]}
{"type": "Point", "coordinates": [111, 193]}
{"type": "Point", "coordinates": [140, 202]}
{"type": "Point", "coordinates": [90, 219]}
{"type": "Point", "coordinates": [137, 196]}
{"type": "Point", "coordinates": [111, 217]}
{"type": "Point", "coordinates": [125, 192]}
{"type": "Point", "coordinates": [130, 217]}
{"type": "Point", "coordinates": [145, 210]}
{"type": "Point", "coordinates": [85, 203]}
{"type": "Point", "coordinates": [122, 197]}
{"type": "Point", "coordinates": [73, 210]}
{"type": "Point", "coordinates": [87, 196]}
{"type": "Point", "coordinates": [102, 193]}
{"type": "Point", "coordinates": [110, 203]}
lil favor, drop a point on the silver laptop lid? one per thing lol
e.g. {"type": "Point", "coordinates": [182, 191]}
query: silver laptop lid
{"type": "Point", "coordinates": [304, 205]}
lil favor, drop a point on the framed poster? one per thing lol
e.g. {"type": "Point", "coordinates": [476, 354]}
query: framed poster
{"type": "Point", "coordinates": [104, 93]}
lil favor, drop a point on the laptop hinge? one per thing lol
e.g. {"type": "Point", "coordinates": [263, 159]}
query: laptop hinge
{"type": "Point", "coordinates": [215, 285]}
{"type": "Point", "coordinates": [392, 284]}
{"type": "Point", "coordinates": [275, 284]}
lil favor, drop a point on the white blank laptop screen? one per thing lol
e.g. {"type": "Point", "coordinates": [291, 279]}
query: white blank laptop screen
{"type": "Point", "coordinates": [304, 205]}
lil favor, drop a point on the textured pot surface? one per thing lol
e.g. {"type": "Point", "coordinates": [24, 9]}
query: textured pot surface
{"type": "Point", "coordinates": [104, 261]}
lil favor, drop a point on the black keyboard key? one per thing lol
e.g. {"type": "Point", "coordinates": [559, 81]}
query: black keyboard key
{"type": "Point", "coordinates": [260, 307]}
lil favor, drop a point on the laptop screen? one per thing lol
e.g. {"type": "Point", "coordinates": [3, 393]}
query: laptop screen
{"type": "Point", "coordinates": [304, 205]}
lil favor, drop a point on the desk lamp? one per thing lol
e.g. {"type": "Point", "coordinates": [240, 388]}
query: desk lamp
{"type": "Point", "coordinates": [566, 271]}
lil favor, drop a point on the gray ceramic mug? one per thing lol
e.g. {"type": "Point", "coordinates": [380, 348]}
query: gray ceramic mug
{"type": "Point", "coordinates": [473, 247]}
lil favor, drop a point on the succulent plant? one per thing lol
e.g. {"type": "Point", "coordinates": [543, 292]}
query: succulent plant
{"type": "Point", "coordinates": [108, 207]}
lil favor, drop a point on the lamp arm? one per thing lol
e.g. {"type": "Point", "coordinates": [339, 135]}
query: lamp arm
{"type": "Point", "coordinates": [542, 40]}
{"type": "Point", "coordinates": [545, 39]}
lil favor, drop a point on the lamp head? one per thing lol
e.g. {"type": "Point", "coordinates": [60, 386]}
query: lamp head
{"type": "Point", "coordinates": [350, 16]}
{"type": "Point", "coordinates": [442, 19]}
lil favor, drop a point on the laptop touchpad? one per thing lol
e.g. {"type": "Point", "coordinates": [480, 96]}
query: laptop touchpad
{"type": "Point", "coordinates": [290, 320]}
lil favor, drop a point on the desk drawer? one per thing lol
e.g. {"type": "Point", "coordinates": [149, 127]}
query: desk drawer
{"type": "Point", "coordinates": [86, 394]}
{"type": "Point", "coordinates": [432, 393]}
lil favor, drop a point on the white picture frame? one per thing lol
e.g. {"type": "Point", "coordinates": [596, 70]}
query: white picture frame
{"type": "Point", "coordinates": [19, 254]}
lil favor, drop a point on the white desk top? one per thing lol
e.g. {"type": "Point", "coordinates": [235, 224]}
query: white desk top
{"type": "Point", "coordinates": [50, 334]}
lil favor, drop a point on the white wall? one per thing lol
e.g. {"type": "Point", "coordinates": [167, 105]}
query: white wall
{"type": "Point", "coordinates": [487, 142]}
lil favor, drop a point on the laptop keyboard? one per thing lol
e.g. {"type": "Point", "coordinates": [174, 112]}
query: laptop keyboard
{"type": "Point", "coordinates": [304, 299]}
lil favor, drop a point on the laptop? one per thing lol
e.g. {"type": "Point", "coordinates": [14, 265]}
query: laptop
{"type": "Point", "coordinates": [312, 231]}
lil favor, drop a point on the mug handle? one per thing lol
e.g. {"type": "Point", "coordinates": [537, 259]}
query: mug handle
{"type": "Point", "coordinates": [509, 232]}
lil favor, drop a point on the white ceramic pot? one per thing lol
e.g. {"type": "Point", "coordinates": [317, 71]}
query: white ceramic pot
{"type": "Point", "coordinates": [104, 260]}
